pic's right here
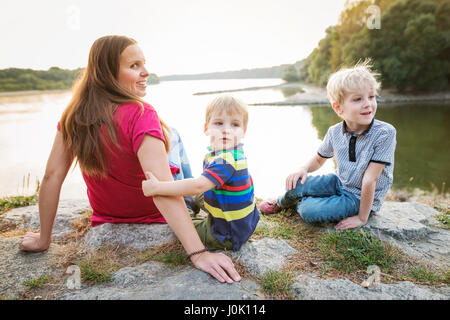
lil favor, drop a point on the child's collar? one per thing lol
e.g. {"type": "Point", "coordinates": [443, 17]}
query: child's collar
{"type": "Point", "coordinates": [365, 132]}
{"type": "Point", "coordinates": [239, 146]}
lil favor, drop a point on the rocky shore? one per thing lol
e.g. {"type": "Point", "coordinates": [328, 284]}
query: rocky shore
{"type": "Point", "coordinates": [412, 227]}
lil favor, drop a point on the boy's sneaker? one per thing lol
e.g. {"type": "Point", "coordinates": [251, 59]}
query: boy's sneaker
{"type": "Point", "coordinates": [269, 207]}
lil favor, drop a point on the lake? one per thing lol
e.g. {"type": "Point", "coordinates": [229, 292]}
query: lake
{"type": "Point", "coordinates": [279, 138]}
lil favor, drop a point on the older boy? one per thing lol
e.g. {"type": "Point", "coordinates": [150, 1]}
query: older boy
{"type": "Point", "coordinates": [226, 185]}
{"type": "Point", "coordinates": [364, 151]}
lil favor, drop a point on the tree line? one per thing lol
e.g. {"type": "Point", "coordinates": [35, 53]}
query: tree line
{"type": "Point", "coordinates": [410, 49]}
{"type": "Point", "coordinates": [15, 79]}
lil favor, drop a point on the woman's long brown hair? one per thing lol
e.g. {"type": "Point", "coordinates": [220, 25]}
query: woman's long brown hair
{"type": "Point", "coordinates": [96, 95]}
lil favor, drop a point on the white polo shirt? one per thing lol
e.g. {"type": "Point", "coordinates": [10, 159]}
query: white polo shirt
{"type": "Point", "coordinates": [353, 153]}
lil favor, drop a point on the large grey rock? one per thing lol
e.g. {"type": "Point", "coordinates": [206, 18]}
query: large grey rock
{"type": "Point", "coordinates": [156, 281]}
{"type": "Point", "coordinates": [263, 255]}
{"type": "Point", "coordinates": [17, 266]}
{"type": "Point", "coordinates": [139, 236]}
{"type": "Point", "coordinates": [413, 227]}
{"type": "Point", "coordinates": [28, 217]}
{"type": "Point", "coordinates": [309, 287]}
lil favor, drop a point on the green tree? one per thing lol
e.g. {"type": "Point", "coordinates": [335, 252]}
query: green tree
{"type": "Point", "coordinates": [290, 74]}
{"type": "Point", "coordinates": [411, 50]}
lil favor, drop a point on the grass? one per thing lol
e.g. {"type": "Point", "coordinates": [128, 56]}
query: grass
{"type": "Point", "coordinates": [94, 271]}
{"type": "Point", "coordinates": [350, 250]}
{"type": "Point", "coordinates": [170, 253]}
{"type": "Point", "coordinates": [171, 258]}
{"type": "Point", "coordinates": [277, 284]}
{"type": "Point", "coordinates": [425, 275]}
{"type": "Point", "coordinates": [8, 203]}
{"type": "Point", "coordinates": [37, 282]}
{"type": "Point", "coordinates": [444, 220]}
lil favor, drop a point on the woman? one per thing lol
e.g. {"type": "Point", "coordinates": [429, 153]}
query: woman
{"type": "Point", "coordinates": [116, 137]}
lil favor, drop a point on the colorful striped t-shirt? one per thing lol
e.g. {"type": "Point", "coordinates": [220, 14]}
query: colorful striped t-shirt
{"type": "Point", "coordinates": [231, 202]}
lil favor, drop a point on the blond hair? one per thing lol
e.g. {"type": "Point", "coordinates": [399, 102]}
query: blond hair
{"type": "Point", "coordinates": [350, 80]}
{"type": "Point", "coordinates": [230, 105]}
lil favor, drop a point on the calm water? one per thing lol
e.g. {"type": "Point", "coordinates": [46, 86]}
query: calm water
{"type": "Point", "coordinates": [278, 140]}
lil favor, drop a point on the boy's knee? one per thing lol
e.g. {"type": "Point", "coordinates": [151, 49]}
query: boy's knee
{"type": "Point", "coordinates": [308, 213]}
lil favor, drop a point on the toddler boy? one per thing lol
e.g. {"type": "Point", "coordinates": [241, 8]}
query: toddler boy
{"type": "Point", "coordinates": [226, 184]}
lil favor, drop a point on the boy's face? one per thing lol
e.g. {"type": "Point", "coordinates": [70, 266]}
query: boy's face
{"type": "Point", "coordinates": [225, 131]}
{"type": "Point", "coordinates": [358, 108]}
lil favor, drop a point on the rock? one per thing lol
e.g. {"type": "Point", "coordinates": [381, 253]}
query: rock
{"type": "Point", "coordinates": [413, 227]}
{"type": "Point", "coordinates": [260, 256]}
{"type": "Point", "coordinates": [17, 266]}
{"type": "Point", "coordinates": [156, 281]}
{"type": "Point", "coordinates": [28, 217]}
{"type": "Point", "coordinates": [138, 236]}
{"type": "Point", "coordinates": [309, 287]}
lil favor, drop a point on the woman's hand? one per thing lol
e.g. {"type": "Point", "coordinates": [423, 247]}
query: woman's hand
{"type": "Point", "coordinates": [33, 242]}
{"type": "Point", "coordinates": [217, 265]}
{"type": "Point", "coordinates": [291, 180]}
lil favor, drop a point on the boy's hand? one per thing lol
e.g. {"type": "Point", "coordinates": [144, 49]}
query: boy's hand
{"type": "Point", "coordinates": [149, 186]}
{"type": "Point", "coordinates": [350, 223]}
{"type": "Point", "coordinates": [291, 180]}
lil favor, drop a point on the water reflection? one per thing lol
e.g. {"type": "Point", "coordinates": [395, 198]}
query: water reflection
{"type": "Point", "coordinates": [279, 138]}
{"type": "Point", "coordinates": [423, 144]}
{"type": "Point", "coordinates": [290, 91]}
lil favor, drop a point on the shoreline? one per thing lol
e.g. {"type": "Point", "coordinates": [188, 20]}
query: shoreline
{"type": "Point", "coordinates": [310, 95]}
{"type": "Point", "coordinates": [30, 92]}
{"type": "Point", "coordinates": [318, 95]}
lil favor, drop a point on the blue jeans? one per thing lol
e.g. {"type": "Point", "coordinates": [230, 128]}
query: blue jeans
{"type": "Point", "coordinates": [322, 199]}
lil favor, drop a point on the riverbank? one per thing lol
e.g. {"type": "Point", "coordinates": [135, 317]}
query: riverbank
{"type": "Point", "coordinates": [309, 94]}
{"type": "Point", "coordinates": [305, 94]}
{"type": "Point", "coordinates": [30, 92]}
{"type": "Point", "coordinates": [318, 95]}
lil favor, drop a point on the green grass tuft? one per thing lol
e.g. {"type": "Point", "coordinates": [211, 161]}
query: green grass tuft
{"type": "Point", "coordinates": [277, 284]}
{"type": "Point", "coordinates": [350, 250]}
{"type": "Point", "coordinates": [37, 282]}
{"type": "Point", "coordinates": [8, 203]}
{"type": "Point", "coordinates": [426, 276]}
{"type": "Point", "coordinates": [444, 219]}
{"type": "Point", "coordinates": [94, 272]}
{"type": "Point", "coordinates": [171, 258]}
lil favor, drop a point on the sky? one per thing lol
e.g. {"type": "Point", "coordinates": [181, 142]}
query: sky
{"type": "Point", "coordinates": [176, 36]}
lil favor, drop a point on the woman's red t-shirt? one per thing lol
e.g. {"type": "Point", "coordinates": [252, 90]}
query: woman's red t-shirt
{"type": "Point", "coordinates": [118, 198]}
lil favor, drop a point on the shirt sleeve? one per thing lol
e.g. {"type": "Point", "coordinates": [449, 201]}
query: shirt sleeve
{"type": "Point", "coordinates": [384, 147]}
{"type": "Point", "coordinates": [326, 148]}
{"type": "Point", "coordinates": [220, 170]}
{"type": "Point", "coordinates": [146, 122]}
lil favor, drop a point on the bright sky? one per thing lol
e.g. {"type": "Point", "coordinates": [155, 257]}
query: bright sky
{"type": "Point", "coordinates": [177, 36]}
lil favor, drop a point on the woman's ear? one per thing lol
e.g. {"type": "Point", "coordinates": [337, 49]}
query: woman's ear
{"type": "Point", "coordinates": [205, 128]}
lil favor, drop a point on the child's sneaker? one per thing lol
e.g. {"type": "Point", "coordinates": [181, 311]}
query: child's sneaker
{"type": "Point", "coordinates": [269, 207]}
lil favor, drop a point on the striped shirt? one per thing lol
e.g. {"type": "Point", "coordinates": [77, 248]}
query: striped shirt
{"type": "Point", "coordinates": [231, 202]}
{"type": "Point", "coordinates": [353, 153]}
